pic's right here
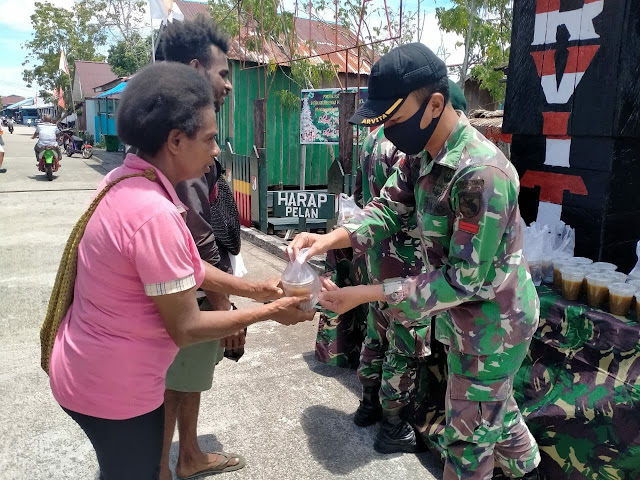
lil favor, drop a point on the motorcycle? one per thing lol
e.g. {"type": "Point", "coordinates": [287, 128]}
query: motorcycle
{"type": "Point", "coordinates": [73, 144]}
{"type": "Point", "coordinates": [49, 161]}
{"type": "Point", "coordinates": [11, 128]}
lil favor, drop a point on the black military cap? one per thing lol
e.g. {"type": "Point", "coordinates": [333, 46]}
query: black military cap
{"type": "Point", "coordinates": [398, 73]}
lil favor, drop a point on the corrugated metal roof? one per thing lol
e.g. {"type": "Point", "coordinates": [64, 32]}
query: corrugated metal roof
{"type": "Point", "coordinates": [320, 36]}
{"type": "Point", "coordinates": [92, 75]}
{"type": "Point", "coordinates": [11, 100]}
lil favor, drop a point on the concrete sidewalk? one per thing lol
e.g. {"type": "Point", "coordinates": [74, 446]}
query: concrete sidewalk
{"type": "Point", "coordinates": [289, 415]}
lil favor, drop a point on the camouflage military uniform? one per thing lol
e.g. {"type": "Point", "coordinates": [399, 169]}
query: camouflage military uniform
{"type": "Point", "coordinates": [390, 348]}
{"type": "Point", "coordinates": [478, 286]}
{"type": "Point", "coordinates": [340, 337]}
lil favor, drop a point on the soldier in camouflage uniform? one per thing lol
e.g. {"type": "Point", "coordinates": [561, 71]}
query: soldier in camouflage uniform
{"type": "Point", "coordinates": [476, 283]}
{"type": "Point", "coordinates": [391, 349]}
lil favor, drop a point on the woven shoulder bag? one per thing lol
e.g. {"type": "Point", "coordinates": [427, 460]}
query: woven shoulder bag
{"type": "Point", "coordinates": [62, 294]}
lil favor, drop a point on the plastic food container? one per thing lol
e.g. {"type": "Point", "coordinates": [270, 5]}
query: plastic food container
{"type": "Point", "coordinates": [299, 279]}
{"type": "Point", "coordinates": [620, 298]}
{"type": "Point", "coordinates": [571, 283]}
{"type": "Point", "coordinates": [598, 288]}
{"type": "Point", "coordinates": [558, 265]}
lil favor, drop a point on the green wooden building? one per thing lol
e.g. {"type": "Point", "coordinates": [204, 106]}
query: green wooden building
{"type": "Point", "coordinates": [283, 124]}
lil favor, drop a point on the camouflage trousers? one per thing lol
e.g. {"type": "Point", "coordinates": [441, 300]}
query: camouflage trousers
{"type": "Point", "coordinates": [339, 338]}
{"type": "Point", "coordinates": [483, 423]}
{"type": "Point", "coordinates": [390, 355]}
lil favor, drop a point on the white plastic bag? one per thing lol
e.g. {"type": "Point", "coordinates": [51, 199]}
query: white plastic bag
{"type": "Point", "coordinates": [237, 265]}
{"type": "Point", "coordinates": [542, 245]}
{"type": "Point", "coordinates": [347, 208]}
{"type": "Point", "coordinates": [635, 273]}
{"type": "Point", "coordinates": [299, 279]}
{"type": "Point", "coordinates": [533, 249]}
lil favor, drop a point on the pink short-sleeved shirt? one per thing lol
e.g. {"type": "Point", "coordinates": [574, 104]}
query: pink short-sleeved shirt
{"type": "Point", "coordinates": [112, 350]}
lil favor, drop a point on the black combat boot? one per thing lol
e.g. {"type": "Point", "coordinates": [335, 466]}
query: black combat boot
{"type": "Point", "coordinates": [532, 475]}
{"type": "Point", "coordinates": [369, 411]}
{"type": "Point", "coordinates": [395, 435]}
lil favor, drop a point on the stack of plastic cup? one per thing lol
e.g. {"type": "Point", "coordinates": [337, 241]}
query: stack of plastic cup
{"type": "Point", "coordinates": [598, 288]}
{"type": "Point", "coordinates": [571, 283]}
{"type": "Point", "coordinates": [620, 298]}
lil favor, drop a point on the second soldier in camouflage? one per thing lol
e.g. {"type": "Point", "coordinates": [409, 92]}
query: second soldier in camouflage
{"type": "Point", "coordinates": [391, 348]}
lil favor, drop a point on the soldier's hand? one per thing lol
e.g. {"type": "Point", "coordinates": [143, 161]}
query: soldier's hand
{"type": "Point", "coordinates": [270, 289]}
{"type": "Point", "coordinates": [341, 300]}
{"type": "Point", "coordinates": [312, 241]}
{"type": "Point", "coordinates": [286, 310]}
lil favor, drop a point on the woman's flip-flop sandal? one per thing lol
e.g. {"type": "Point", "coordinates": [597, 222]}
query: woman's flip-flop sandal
{"type": "Point", "coordinates": [222, 467]}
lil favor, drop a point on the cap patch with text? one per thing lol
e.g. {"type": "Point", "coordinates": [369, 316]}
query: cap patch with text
{"type": "Point", "coordinates": [393, 77]}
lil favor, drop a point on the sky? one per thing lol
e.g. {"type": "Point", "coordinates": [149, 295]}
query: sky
{"type": "Point", "coordinates": [15, 30]}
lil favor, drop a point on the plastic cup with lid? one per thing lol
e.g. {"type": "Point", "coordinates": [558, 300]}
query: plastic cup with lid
{"type": "Point", "coordinates": [620, 298]}
{"type": "Point", "coordinates": [558, 265]}
{"type": "Point", "coordinates": [604, 266]}
{"type": "Point", "coordinates": [571, 283]}
{"type": "Point", "coordinates": [598, 288]}
{"type": "Point", "coordinates": [582, 261]}
{"type": "Point", "coordinates": [619, 276]}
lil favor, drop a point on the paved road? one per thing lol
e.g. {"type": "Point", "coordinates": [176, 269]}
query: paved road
{"type": "Point", "coordinates": [288, 414]}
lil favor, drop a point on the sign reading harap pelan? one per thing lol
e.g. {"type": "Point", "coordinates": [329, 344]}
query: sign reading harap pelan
{"type": "Point", "coordinates": [303, 204]}
{"type": "Point", "coordinates": [319, 118]}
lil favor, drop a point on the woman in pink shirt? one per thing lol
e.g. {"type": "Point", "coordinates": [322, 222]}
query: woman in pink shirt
{"type": "Point", "coordinates": [138, 269]}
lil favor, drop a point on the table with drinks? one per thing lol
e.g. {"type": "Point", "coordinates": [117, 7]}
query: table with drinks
{"type": "Point", "coordinates": [579, 387]}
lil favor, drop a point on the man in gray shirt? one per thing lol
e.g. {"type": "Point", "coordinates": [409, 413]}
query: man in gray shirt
{"type": "Point", "coordinates": [200, 44]}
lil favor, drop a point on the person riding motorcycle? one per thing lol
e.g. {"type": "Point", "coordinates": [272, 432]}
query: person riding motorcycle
{"type": "Point", "coordinates": [47, 134]}
{"type": "Point", "coordinates": [10, 125]}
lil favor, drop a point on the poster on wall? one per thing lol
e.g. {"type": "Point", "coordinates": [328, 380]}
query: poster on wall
{"type": "Point", "coordinates": [319, 117]}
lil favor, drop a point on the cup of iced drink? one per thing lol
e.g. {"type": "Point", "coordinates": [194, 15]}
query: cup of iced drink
{"type": "Point", "coordinates": [558, 265]}
{"type": "Point", "coordinates": [620, 298]}
{"type": "Point", "coordinates": [638, 305]}
{"type": "Point", "coordinates": [598, 288]}
{"type": "Point", "coordinates": [571, 283]}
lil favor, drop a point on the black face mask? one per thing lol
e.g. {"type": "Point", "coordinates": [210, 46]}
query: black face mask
{"type": "Point", "coordinates": [408, 136]}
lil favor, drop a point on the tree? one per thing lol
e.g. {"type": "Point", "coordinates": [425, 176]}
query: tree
{"type": "Point", "coordinates": [485, 26]}
{"type": "Point", "coordinates": [54, 28]}
{"type": "Point", "coordinates": [127, 57]}
{"type": "Point", "coordinates": [125, 19]}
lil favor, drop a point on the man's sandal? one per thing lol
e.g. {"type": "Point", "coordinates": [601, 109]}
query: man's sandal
{"type": "Point", "coordinates": [222, 467]}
